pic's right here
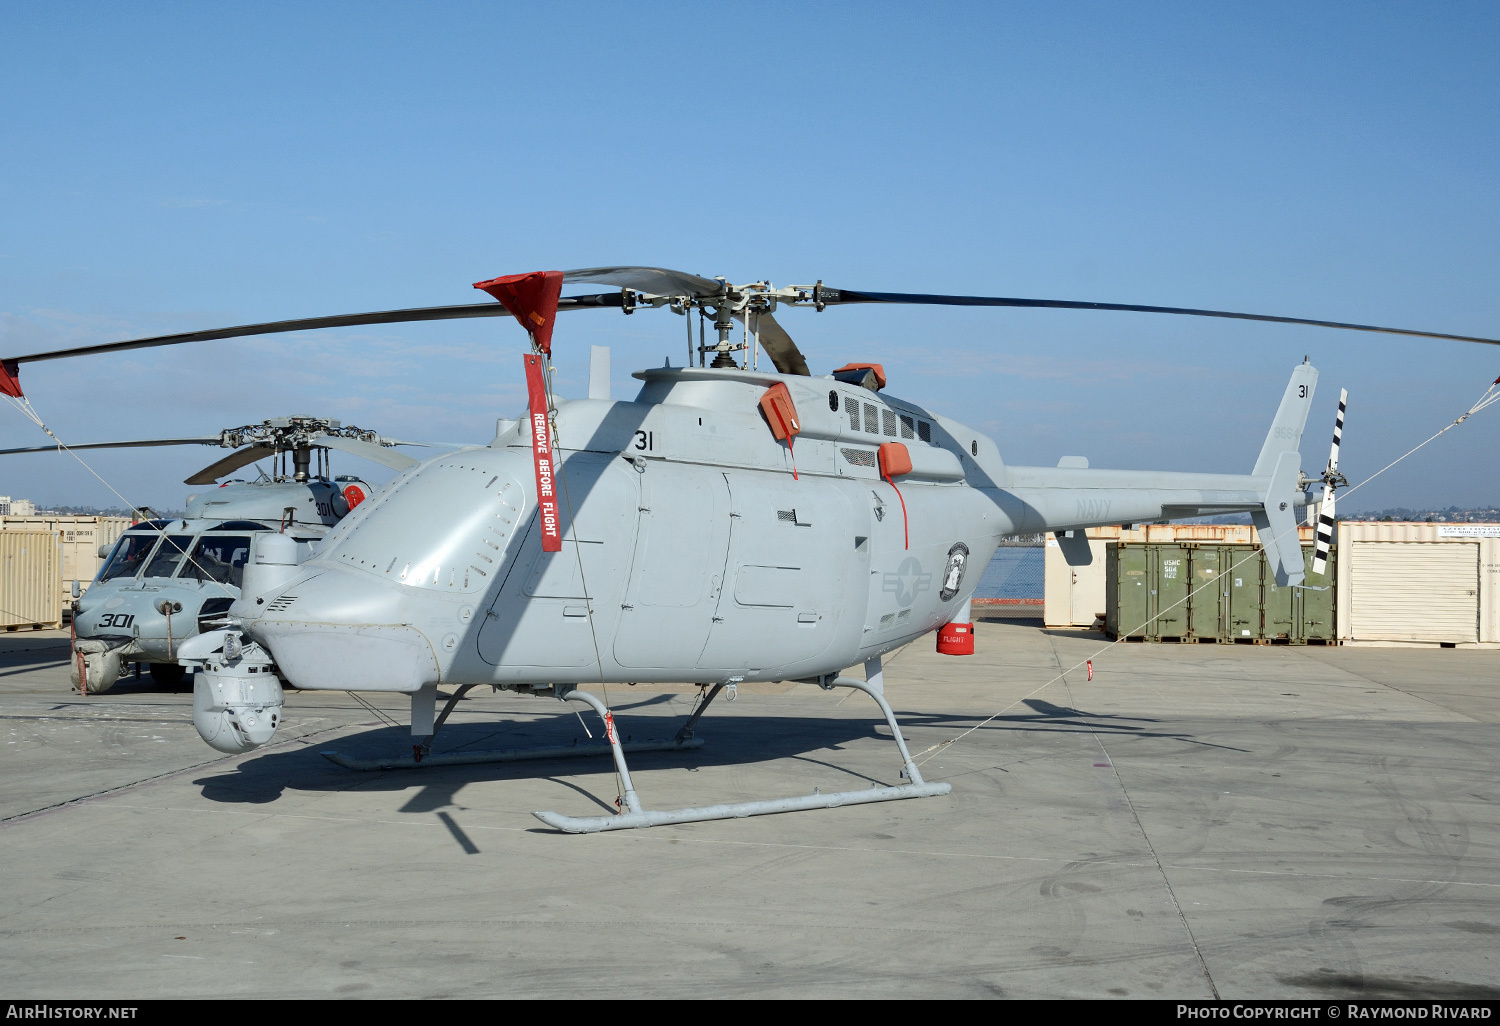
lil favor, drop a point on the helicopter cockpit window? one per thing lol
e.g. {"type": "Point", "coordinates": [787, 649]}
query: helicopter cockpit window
{"type": "Point", "coordinates": [218, 558]}
{"type": "Point", "coordinates": [164, 563]}
{"type": "Point", "coordinates": [129, 556]}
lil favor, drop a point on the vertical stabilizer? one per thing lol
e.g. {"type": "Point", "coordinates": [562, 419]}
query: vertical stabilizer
{"type": "Point", "coordinates": [1291, 417]}
{"type": "Point", "coordinates": [1281, 463]}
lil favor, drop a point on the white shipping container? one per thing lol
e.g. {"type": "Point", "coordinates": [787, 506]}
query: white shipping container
{"type": "Point", "coordinates": [30, 585]}
{"type": "Point", "coordinates": [78, 537]}
{"type": "Point", "coordinates": [1429, 583]}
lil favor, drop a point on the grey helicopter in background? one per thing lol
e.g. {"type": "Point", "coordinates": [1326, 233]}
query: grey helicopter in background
{"type": "Point", "coordinates": [164, 580]}
{"type": "Point", "coordinates": [728, 524]}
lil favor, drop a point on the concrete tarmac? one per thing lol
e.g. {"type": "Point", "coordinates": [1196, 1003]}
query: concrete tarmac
{"type": "Point", "coordinates": [1197, 820]}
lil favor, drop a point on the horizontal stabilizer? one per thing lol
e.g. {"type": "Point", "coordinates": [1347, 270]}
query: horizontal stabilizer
{"type": "Point", "coordinates": [1075, 547]}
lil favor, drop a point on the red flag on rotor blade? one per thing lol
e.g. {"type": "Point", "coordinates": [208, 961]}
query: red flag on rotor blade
{"type": "Point", "coordinates": [531, 299]}
{"type": "Point", "coordinates": [10, 378]}
{"type": "Point", "coordinates": [548, 521]}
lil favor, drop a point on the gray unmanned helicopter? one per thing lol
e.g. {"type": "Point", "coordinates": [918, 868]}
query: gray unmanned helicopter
{"type": "Point", "coordinates": [163, 581]}
{"type": "Point", "coordinates": [728, 524]}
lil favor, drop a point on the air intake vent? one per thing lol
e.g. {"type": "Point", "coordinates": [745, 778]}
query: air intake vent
{"type": "Point", "coordinates": [860, 457]}
{"type": "Point", "coordinates": [281, 604]}
{"type": "Point", "coordinates": [903, 616]}
{"type": "Point", "coordinates": [212, 613]}
{"type": "Point", "coordinates": [789, 515]}
{"type": "Point", "coordinates": [887, 620]}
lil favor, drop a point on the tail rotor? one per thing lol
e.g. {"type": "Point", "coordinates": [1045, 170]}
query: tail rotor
{"type": "Point", "coordinates": [1332, 480]}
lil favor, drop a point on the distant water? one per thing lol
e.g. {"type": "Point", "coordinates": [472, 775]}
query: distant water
{"type": "Point", "coordinates": [1014, 573]}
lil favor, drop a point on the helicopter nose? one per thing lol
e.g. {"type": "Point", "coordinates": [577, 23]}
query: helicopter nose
{"type": "Point", "coordinates": [334, 631]}
{"type": "Point", "coordinates": [364, 612]}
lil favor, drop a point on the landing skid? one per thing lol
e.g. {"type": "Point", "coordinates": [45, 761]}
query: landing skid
{"type": "Point", "coordinates": [634, 816]}
{"type": "Point", "coordinates": [646, 818]}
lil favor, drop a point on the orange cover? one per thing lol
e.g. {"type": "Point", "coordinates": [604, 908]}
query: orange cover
{"type": "Point", "coordinates": [877, 368]}
{"type": "Point", "coordinates": [781, 413]}
{"type": "Point", "coordinates": [895, 460]}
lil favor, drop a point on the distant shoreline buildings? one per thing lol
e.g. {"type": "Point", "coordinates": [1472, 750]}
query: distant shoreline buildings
{"type": "Point", "coordinates": [16, 507]}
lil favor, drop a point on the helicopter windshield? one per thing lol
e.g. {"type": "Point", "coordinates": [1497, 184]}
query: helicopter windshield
{"type": "Point", "coordinates": [129, 555]}
{"type": "Point", "coordinates": [218, 558]}
{"type": "Point", "coordinates": [164, 563]}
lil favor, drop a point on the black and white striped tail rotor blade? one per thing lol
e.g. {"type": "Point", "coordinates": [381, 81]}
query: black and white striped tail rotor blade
{"type": "Point", "coordinates": [1338, 432]}
{"type": "Point", "coordinates": [1326, 523]}
{"type": "Point", "coordinates": [1327, 517]}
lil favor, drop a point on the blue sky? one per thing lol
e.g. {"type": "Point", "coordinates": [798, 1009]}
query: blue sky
{"type": "Point", "coordinates": [170, 167]}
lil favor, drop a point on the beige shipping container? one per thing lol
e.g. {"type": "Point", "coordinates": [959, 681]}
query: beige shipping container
{"type": "Point", "coordinates": [78, 537]}
{"type": "Point", "coordinates": [1404, 583]}
{"type": "Point", "coordinates": [30, 581]}
{"type": "Point", "coordinates": [1074, 595]}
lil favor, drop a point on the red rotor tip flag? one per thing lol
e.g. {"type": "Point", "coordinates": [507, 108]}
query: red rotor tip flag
{"type": "Point", "coordinates": [531, 299]}
{"type": "Point", "coordinates": [10, 378]}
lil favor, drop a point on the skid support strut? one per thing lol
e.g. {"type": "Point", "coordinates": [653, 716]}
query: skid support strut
{"type": "Point", "coordinates": [635, 817]}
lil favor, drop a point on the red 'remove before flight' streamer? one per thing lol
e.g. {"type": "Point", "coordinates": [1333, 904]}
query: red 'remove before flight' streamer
{"type": "Point", "coordinates": [541, 451]}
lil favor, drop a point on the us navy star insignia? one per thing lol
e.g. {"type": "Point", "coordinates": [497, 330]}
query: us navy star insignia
{"type": "Point", "coordinates": [907, 582]}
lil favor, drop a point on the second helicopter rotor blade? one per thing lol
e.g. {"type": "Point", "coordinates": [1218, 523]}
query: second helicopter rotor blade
{"type": "Point", "coordinates": [234, 461]}
{"type": "Point", "coordinates": [659, 281]}
{"type": "Point", "coordinates": [369, 450]}
{"type": "Point", "coordinates": [779, 346]}
{"type": "Point", "coordinates": [420, 313]}
{"type": "Point", "coordinates": [832, 297]}
{"type": "Point", "coordinates": [143, 443]}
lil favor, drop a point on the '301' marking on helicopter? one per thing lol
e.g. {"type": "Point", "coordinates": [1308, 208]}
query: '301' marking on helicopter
{"type": "Point", "coordinates": [116, 619]}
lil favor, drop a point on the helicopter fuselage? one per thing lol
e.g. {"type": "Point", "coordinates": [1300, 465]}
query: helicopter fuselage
{"type": "Point", "coordinates": [691, 550]}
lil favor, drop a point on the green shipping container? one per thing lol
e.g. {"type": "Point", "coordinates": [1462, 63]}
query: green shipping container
{"type": "Point", "coordinates": [1242, 582]}
{"type": "Point", "coordinates": [1170, 589]}
{"type": "Point", "coordinates": [1212, 593]}
{"type": "Point", "coordinates": [1208, 606]}
{"type": "Point", "coordinates": [1127, 601]}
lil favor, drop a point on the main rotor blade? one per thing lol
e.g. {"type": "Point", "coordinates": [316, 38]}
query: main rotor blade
{"type": "Point", "coordinates": [841, 296]}
{"type": "Point", "coordinates": [420, 313]}
{"type": "Point", "coordinates": [779, 346]}
{"type": "Point", "coordinates": [369, 450]}
{"type": "Point", "coordinates": [234, 461]}
{"type": "Point", "coordinates": [214, 440]}
{"type": "Point", "coordinates": [659, 281]}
